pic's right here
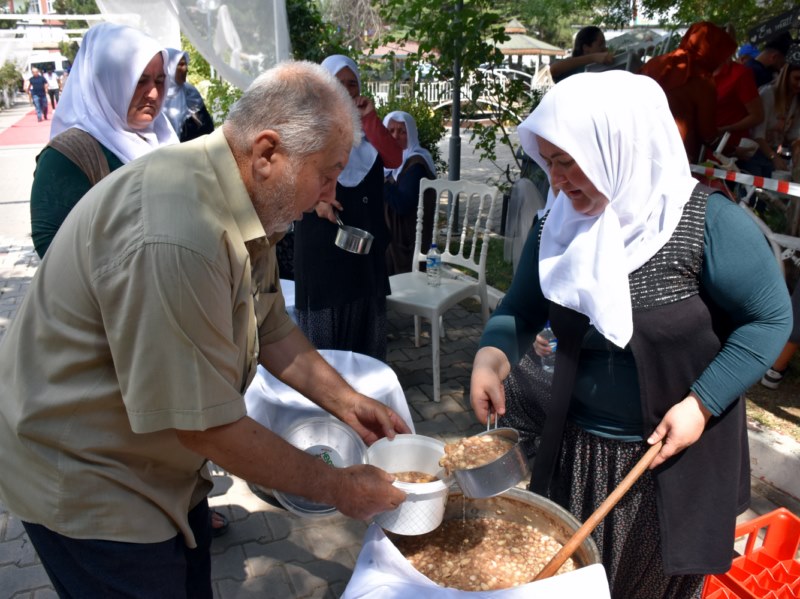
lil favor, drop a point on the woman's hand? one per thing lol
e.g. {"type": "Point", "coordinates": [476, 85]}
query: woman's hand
{"type": "Point", "coordinates": [325, 210]}
{"type": "Point", "coordinates": [603, 57]}
{"type": "Point", "coordinates": [681, 426]}
{"type": "Point", "coordinates": [489, 369]}
{"type": "Point", "coordinates": [364, 105]}
{"type": "Point", "coordinates": [541, 347]}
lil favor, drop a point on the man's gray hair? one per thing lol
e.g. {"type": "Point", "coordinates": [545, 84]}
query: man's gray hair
{"type": "Point", "coordinates": [299, 100]}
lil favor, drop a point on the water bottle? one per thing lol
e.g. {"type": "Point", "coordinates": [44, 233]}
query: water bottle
{"type": "Point", "coordinates": [433, 266]}
{"type": "Point", "coordinates": [549, 362]}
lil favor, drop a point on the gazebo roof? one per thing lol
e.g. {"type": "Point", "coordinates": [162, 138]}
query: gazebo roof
{"type": "Point", "coordinates": [522, 44]}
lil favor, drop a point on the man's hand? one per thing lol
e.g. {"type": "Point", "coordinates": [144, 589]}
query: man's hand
{"type": "Point", "coordinates": [249, 450]}
{"type": "Point", "coordinates": [681, 426]}
{"type": "Point", "coordinates": [373, 420]}
{"type": "Point", "coordinates": [363, 491]}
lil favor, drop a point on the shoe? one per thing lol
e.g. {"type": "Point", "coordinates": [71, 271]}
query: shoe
{"type": "Point", "coordinates": [40, 119]}
{"type": "Point", "coordinates": [222, 527]}
{"type": "Point", "coordinates": [772, 379]}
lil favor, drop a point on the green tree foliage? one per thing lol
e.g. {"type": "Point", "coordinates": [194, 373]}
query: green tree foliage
{"type": "Point", "coordinates": [75, 7]}
{"type": "Point", "coordinates": [312, 38]}
{"type": "Point", "coordinates": [469, 32]}
{"type": "Point", "coordinates": [10, 78]}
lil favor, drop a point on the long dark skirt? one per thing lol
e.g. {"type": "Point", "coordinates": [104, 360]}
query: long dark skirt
{"type": "Point", "coordinates": [589, 469]}
{"type": "Point", "coordinates": [359, 326]}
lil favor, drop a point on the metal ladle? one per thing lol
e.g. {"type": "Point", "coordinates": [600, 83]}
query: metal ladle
{"type": "Point", "coordinates": [352, 239]}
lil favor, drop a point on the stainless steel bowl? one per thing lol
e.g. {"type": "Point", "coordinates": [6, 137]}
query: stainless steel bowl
{"type": "Point", "coordinates": [495, 477]}
{"type": "Point", "coordinates": [353, 239]}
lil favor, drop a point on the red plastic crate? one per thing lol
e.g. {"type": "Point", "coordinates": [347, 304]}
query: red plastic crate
{"type": "Point", "coordinates": [768, 571]}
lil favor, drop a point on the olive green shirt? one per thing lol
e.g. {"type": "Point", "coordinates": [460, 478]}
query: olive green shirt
{"type": "Point", "coordinates": [145, 316]}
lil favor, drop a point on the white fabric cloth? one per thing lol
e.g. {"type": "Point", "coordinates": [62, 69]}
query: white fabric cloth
{"type": "Point", "coordinates": [413, 148]}
{"type": "Point", "coordinates": [363, 156]}
{"type": "Point", "coordinates": [382, 572]}
{"type": "Point", "coordinates": [175, 107]}
{"type": "Point", "coordinates": [278, 407]}
{"type": "Point", "coordinates": [618, 128]}
{"type": "Point", "coordinates": [101, 84]}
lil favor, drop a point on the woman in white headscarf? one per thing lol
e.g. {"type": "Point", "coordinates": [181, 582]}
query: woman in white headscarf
{"type": "Point", "coordinates": [340, 297]}
{"type": "Point", "coordinates": [401, 193]}
{"type": "Point", "coordinates": [667, 305]}
{"type": "Point", "coordinates": [109, 114]}
{"type": "Point", "coordinates": [184, 105]}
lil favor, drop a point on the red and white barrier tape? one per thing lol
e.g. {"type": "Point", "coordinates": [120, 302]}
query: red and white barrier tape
{"type": "Point", "coordinates": [786, 187]}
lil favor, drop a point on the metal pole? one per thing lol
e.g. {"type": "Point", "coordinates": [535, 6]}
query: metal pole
{"type": "Point", "coordinates": [454, 163]}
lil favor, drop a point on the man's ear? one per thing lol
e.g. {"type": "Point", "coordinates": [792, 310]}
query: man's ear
{"type": "Point", "coordinates": [263, 153]}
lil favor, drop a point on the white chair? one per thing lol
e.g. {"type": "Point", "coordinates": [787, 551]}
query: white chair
{"type": "Point", "coordinates": [411, 293]}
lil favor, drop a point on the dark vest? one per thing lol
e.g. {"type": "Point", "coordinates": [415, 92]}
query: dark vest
{"type": "Point", "coordinates": [677, 332]}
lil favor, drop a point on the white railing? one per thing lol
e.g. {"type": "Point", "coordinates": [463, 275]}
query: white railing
{"type": "Point", "coordinates": [440, 93]}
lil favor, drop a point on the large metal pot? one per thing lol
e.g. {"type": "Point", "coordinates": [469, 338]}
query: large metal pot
{"type": "Point", "coordinates": [518, 505]}
{"type": "Point", "coordinates": [353, 239]}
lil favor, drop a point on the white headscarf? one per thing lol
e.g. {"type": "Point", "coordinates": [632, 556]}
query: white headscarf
{"type": "Point", "coordinates": [101, 84]}
{"type": "Point", "coordinates": [413, 148]}
{"type": "Point", "coordinates": [363, 156]}
{"type": "Point", "coordinates": [175, 106]}
{"type": "Point", "coordinates": [618, 128]}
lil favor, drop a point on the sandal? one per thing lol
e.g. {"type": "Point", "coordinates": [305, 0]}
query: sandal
{"type": "Point", "coordinates": [219, 523]}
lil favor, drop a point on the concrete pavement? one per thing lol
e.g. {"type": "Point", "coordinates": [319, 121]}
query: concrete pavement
{"type": "Point", "coordinates": [267, 553]}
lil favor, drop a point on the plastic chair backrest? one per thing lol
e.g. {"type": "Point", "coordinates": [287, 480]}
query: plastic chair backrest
{"type": "Point", "coordinates": [473, 204]}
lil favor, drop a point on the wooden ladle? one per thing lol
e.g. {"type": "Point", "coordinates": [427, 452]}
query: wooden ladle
{"type": "Point", "coordinates": [601, 512]}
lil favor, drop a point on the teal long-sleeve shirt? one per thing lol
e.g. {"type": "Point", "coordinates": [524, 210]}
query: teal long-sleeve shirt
{"type": "Point", "coordinates": [739, 274]}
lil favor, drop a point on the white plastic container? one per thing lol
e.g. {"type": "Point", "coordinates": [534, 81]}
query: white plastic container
{"type": "Point", "coordinates": [423, 509]}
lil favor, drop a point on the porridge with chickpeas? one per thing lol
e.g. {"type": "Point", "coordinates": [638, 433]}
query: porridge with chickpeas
{"type": "Point", "coordinates": [471, 452]}
{"type": "Point", "coordinates": [414, 477]}
{"type": "Point", "coordinates": [481, 554]}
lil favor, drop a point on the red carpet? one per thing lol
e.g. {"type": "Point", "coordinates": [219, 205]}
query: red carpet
{"type": "Point", "coordinates": [27, 131]}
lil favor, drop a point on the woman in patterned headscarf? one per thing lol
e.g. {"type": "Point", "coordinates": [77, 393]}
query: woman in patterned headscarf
{"type": "Point", "coordinates": [667, 305]}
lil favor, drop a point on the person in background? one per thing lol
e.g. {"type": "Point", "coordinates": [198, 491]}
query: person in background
{"type": "Point", "coordinates": [109, 114]}
{"type": "Point", "coordinates": [590, 48]}
{"type": "Point", "coordinates": [340, 297]}
{"type": "Point", "coordinates": [686, 75]}
{"type": "Point", "coordinates": [770, 60]}
{"type": "Point", "coordinates": [53, 87]}
{"type": "Point", "coordinates": [184, 105]}
{"type": "Point", "coordinates": [37, 92]}
{"type": "Point", "coordinates": [739, 106]}
{"type": "Point", "coordinates": [401, 194]}
{"type": "Point", "coordinates": [746, 52]}
{"type": "Point", "coordinates": [123, 371]}
{"type": "Point", "coordinates": [781, 125]}
{"type": "Point", "coordinates": [667, 305]}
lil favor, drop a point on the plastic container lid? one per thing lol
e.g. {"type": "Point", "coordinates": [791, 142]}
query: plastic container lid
{"type": "Point", "coordinates": [332, 441]}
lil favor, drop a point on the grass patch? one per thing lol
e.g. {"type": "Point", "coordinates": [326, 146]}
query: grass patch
{"type": "Point", "coordinates": [498, 271]}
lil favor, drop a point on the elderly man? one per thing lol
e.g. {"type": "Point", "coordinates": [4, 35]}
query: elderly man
{"type": "Point", "coordinates": [125, 367]}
